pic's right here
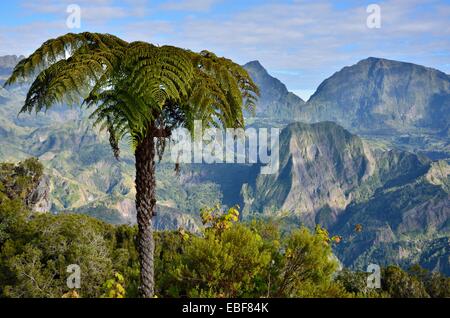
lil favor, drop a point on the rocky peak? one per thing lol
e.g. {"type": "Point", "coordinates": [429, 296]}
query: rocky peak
{"type": "Point", "coordinates": [275, 100]}
{"type": "Point", "coordinates": [7, 64]}
{"type": "Point", "coordinates": [10, 61]}
{"type": "Point", "coordinates": [380, 94]}
{"type": "Point", "coordinates": [320, 165]}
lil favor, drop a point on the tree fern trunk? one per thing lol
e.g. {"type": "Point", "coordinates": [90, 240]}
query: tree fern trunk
{"type": "Point", "coordinates": [145, 204]}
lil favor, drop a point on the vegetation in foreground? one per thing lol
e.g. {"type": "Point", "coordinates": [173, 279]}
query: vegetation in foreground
{"type": "Point", "coordinates": [228, 259]}
{"type": "Point", "coordinates": [139, 92]}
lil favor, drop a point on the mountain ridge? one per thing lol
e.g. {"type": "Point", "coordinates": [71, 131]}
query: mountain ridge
{"type": "Point", "coordinates": [378, 93]}
{"type": "Point", "coordinates": [400, 104]}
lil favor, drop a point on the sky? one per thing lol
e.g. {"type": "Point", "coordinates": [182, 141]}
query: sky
{"type": "Point", "coordinates": [300, 42]}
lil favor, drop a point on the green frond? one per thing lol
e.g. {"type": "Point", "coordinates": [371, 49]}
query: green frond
{"type": "Point", "coordinates": [54, 50]}
{"type": "Point", "coordinates": [135, 87]}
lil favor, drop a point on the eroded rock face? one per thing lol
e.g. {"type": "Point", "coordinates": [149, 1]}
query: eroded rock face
{"type": "Point", "coordinates": [320, 165]}
{"type": "Point", "coordinates": [439, 174]}
{"type": "Point", "coordinates": [385, 95]}
{"type": "Point", "coordinates": [171, 219]}
{"type": "Point", "coordinates": [331, 177]}
{"type": "Point", "coordinates": [127, 210]}
{"type": "Point", "coordinates": [430, 216]}
{"type": "Point", "coordinates": [39, 200]}
{"type": "Point", "coordinates": [324, 169]}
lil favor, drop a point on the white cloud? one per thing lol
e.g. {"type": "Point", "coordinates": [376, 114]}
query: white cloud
{"type": "Point", "coordinates": [93, 11]}
{"type": "Point", "coordinates": [313, 38]}
{"type": "Point", "coordinates": [189, 5]}
{"type": "Point", "coordinates": [318, 39]}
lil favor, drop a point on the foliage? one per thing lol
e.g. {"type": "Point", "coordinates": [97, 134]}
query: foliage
{"type": "Point", "coordinates": [436, 284]}
{"type": "Point", "coordinates": [135, 86]}
{"type": "Point", "coordinates": [217, 221]}
{"type": "Point", "coordinates": [71, 294]}
{"type": "Point", "coordinates": [35, 249]}
{"type": "Point", "coordinates": [416, 282]}
{"type": "Point", "coordinates": [353, 282]}
{"type": "Point", "coordinates": [140, 91]}
{"type": "Point", "coordinates": [232, 259]}
{"type": "Point", "coordinates": [227, 264]}
{"type": "Point", "coordinates": [17, 181]}
{"type": "Point", "coordinates": [398, 284]}
{"type": "Point", "coordinates": [307, 259]}
{"type": "Point", "coordinates": [125, 257]}
{"type": "Point", "coordinates": [114, 287]}
{"type": "Point", "coordinates": [37, 267]}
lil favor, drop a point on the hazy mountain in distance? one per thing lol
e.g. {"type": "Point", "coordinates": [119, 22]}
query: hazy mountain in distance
{"type": "Point", "coordinates": [275, 100]}
{"type": "Point", "coordinates": [383, 96]}
{"type": "Point", "coordinates": [7, 64]}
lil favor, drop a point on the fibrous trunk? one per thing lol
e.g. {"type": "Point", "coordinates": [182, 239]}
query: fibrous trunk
{"type": "Point", "coordinates": [145, 205]}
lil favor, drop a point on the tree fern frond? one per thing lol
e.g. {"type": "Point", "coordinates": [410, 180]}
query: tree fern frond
{"type": "Point", "coordinates": [134, 87]}
{"type": "Point", "coordinates": [54, 50]}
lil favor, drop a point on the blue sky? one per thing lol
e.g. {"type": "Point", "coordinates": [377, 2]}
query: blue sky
{"type": "Point", "coordinates": [300, 42]}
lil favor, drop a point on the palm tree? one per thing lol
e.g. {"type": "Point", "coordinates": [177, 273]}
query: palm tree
{"type": "Point", "coordinates": [140, 91]}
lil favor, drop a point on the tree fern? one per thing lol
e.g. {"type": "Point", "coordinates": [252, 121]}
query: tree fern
{"type": "Point", "coordinates": [138, 91]}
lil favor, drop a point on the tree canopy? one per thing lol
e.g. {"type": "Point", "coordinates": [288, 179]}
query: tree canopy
{"type": "Point", "coordinates": [134, 85]}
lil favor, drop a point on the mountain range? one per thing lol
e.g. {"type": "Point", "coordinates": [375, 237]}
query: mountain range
{"type": "Point", "coordinates": [370, 148]}
{"type": "Point", "coordinates": [397, 103]}
{"type": "Point", "coordinates": [331, 177]}
{"type": "Point", "coordinates": [383, 95]}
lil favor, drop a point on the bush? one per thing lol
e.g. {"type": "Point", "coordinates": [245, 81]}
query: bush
{"type": "Point", "coordinates": [37, 267]}
{"type": "Point", "coordinates": [243, 260]}
{"type": "Point", "coordinates": [399, 284]}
